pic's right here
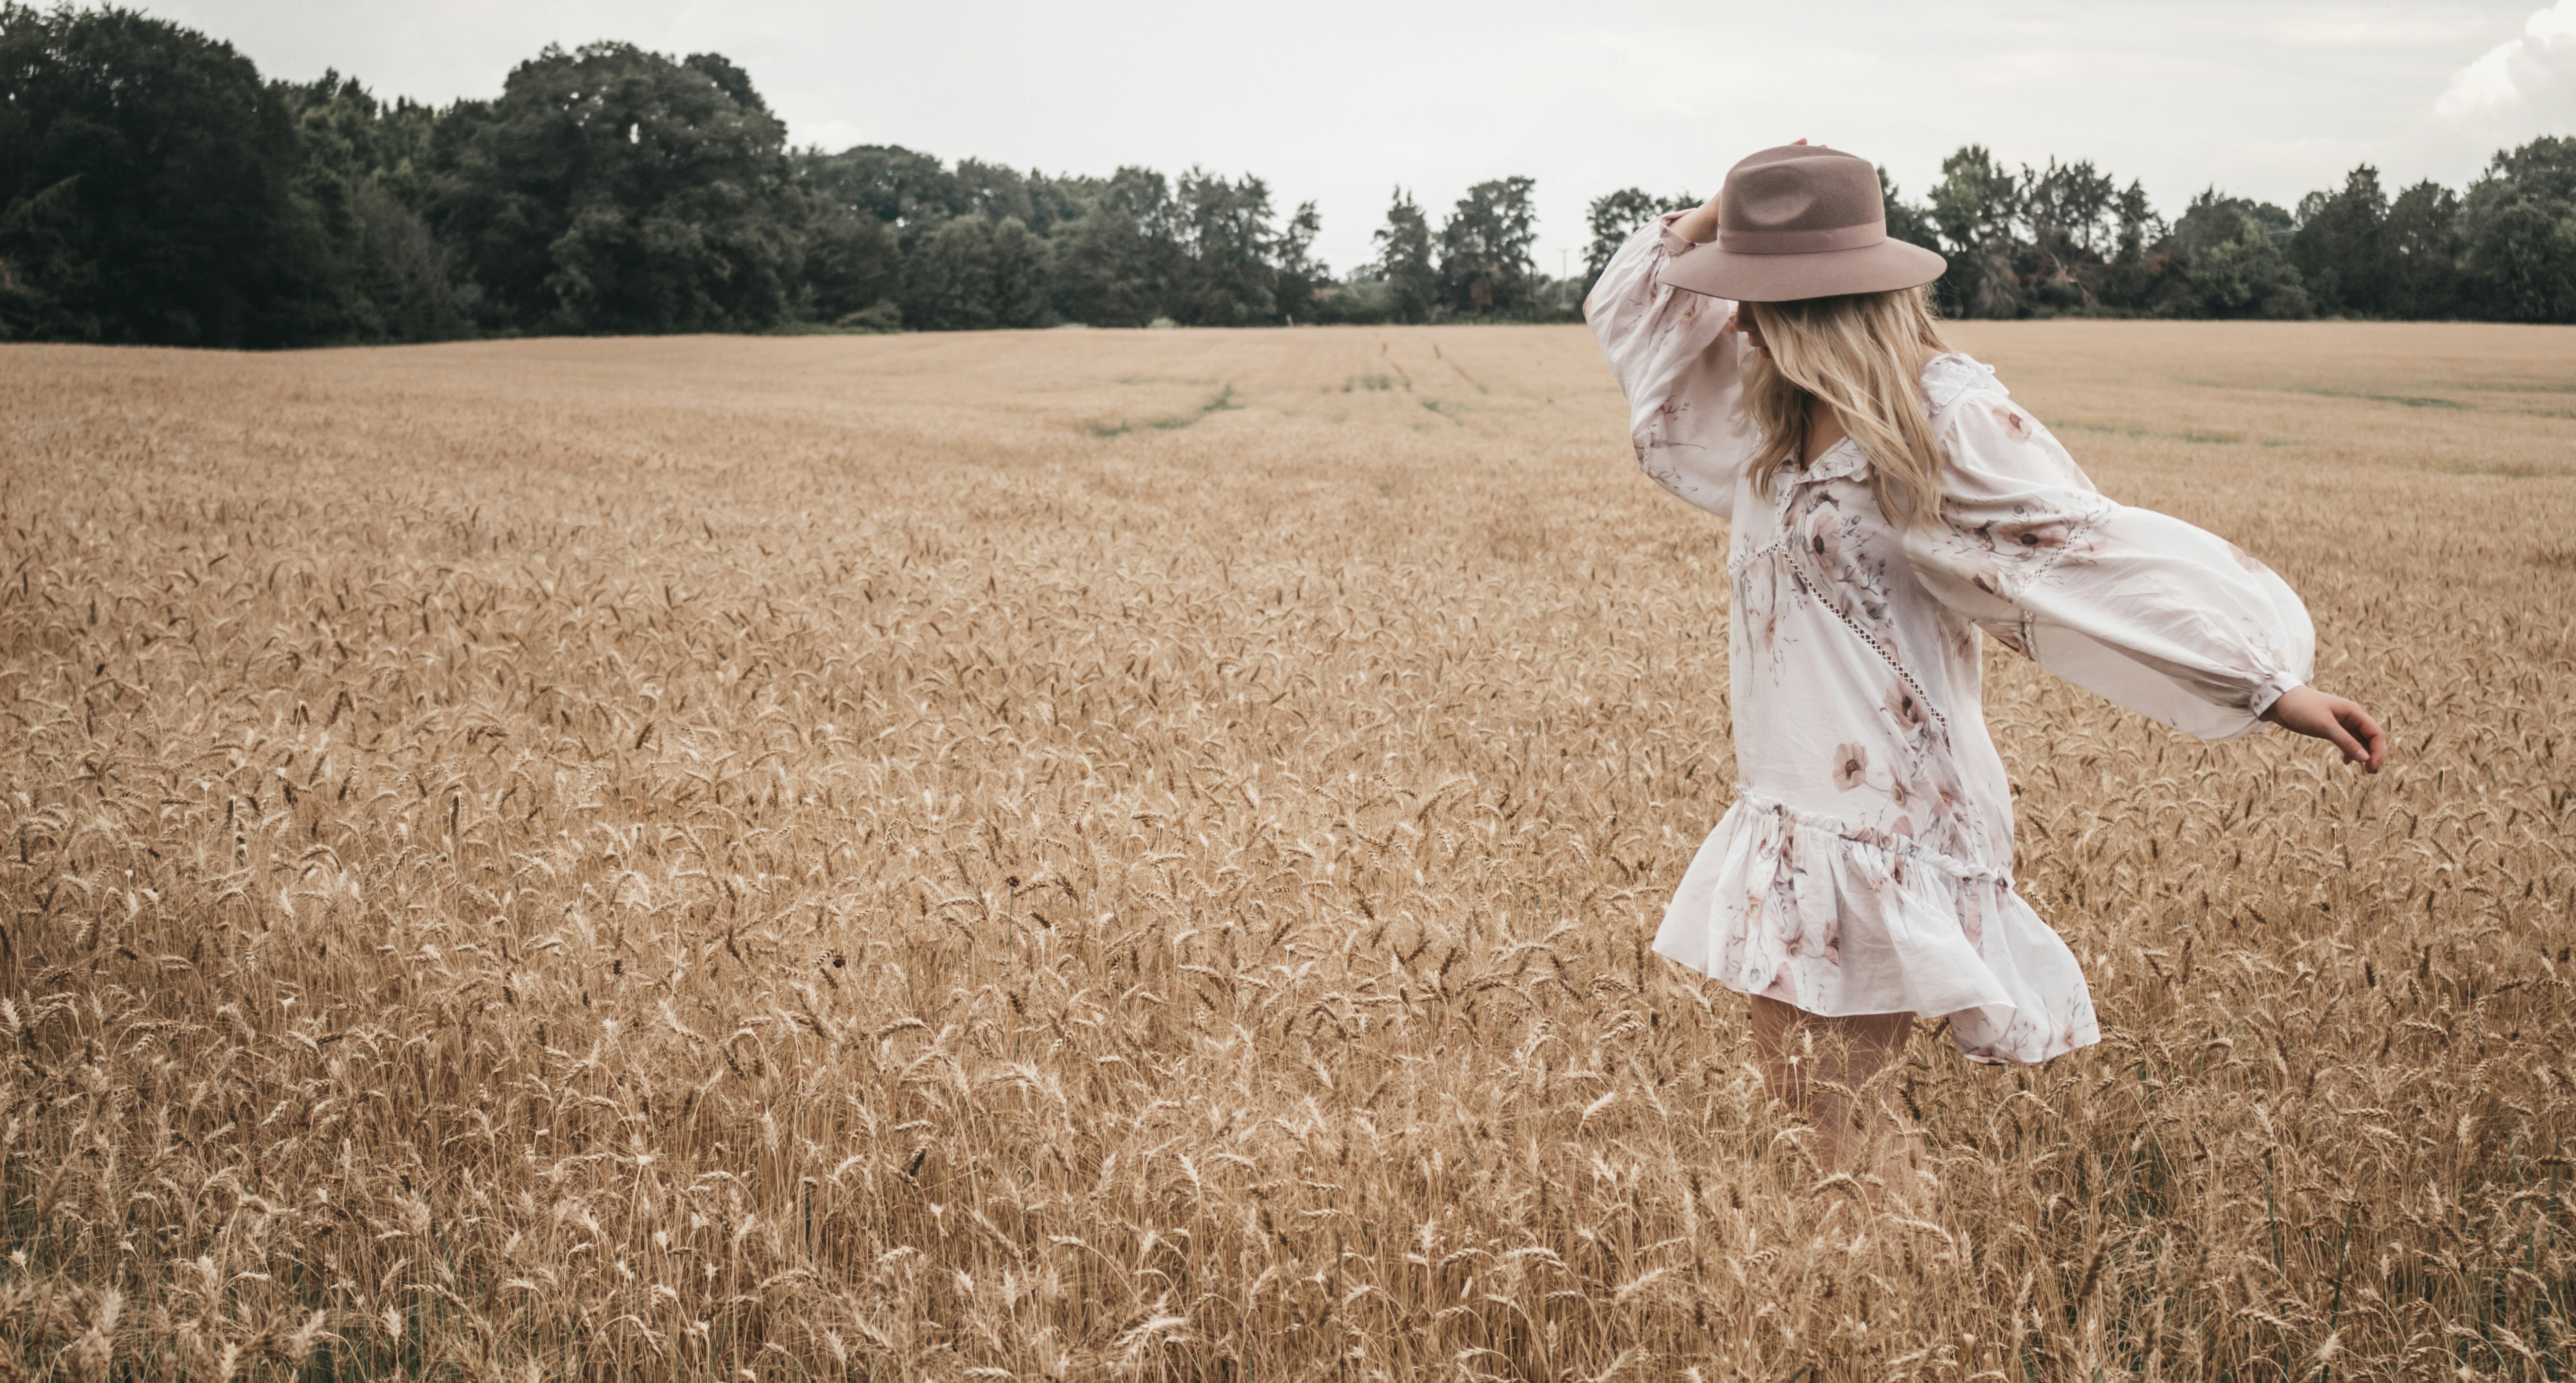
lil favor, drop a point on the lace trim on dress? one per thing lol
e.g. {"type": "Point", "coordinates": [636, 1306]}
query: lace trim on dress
{"type": "Point", "coordinates": [1946, 377]}
{"type": "Point", "coordinates": [1899, 846]}
{"type": "Point", "coordinates": [1843, 459]}
{"type": "Point", "coordinates": [1885, 654]}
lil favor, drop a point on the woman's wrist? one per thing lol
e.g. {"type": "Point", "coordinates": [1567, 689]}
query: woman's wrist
{"type": "Point", "coordinates": [1699, 224]}
{"type": "Point", "coordinates": [2267, 697]}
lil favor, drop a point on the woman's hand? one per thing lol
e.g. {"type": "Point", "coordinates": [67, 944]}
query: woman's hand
{"type": "Point", "coordinates": [1699, 224]}
{"type": "Point", "coordinates": [2313, 713]}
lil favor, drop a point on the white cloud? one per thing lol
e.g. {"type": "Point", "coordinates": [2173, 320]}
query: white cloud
{"type": "Point", "coordinates": [2482, 85]}
{"type": "Point", "coordinates": [2533, 73]}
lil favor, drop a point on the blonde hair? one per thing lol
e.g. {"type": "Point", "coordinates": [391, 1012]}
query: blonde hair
{"type": "Point", "coordinates": [1862, 354]}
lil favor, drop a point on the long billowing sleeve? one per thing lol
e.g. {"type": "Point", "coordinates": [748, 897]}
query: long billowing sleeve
{"type": "Point", "coordinates": [1681, 368]}
{"type": "Point", "coordinates": [2170, 621]}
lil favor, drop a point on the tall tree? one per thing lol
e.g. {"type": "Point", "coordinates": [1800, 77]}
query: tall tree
{"type": "Point", "coordinates": [2130, 276]}
{"type": "Point", "coordinates": [2070, 214]}
{"type": "Point", "coordinates": [1906, 221]}
{"type": "Point", "coordinates": [1302, 277]}
{"type": "Point", "coordinates": [993, 191]}
{"type": "Point", "coordinates": [1485, 245]}
{"type": "Point", "coordinates": [2224, 259]}
{"type": "Point", "coordinates": [2517, 234]}
{"type": "Point", "coordinates": [612, 189]}
{"type": "Point", "coordinates": [361, 177]}
{"type": "Point", "coordinates": [1115, 257]}
{"type": "Point", "coordinates": [912, 192]}
{"type": "Point", "coordinates": [147, 189]}
{"type": "Point", "coordinates": [1023, 285]}
{"type": "Point", "coordinates": [853, 269]}
{"type": "Point", "coordinates": [2422, 236]}
{"type": "Point", "coordinates": [1404, 260]}
{"type": "Point", "coordinates": [1614, 216]}
{"type": "Point", "coordinates": [972, 273]}
{"type": "Point", "coordinates": [2341, 245]}
{"type": "Point", "coordinates": [1226, 276]}
{"type": "Point", "coordinates": [1975, 206]}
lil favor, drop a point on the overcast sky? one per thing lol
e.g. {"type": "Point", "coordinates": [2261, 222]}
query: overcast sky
{"type": "Point", "coordinates": [1337, 102]}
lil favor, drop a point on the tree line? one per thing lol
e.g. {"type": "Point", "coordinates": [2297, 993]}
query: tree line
{"type": "Point", "coordinates": [2068, 238]}
{"type": "Point", "coordinates": [156, 189]}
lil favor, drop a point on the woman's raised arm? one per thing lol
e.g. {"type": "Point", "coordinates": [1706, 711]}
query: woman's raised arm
{"type": "Point", "coordinates": [1681, 366]}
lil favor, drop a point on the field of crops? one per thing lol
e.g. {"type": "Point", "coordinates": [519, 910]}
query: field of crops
{"type": "Point", "coordinates": [1089, 855]}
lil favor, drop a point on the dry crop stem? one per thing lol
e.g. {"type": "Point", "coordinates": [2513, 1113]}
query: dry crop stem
{"type": "Point", "coordinates": [1090, 855]}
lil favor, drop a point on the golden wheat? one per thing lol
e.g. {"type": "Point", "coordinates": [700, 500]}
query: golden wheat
{"type": "Point", "coordinates": [1087, 854]}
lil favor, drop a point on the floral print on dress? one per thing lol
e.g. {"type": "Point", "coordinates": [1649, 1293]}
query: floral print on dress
{"type": "Point", "coordinates": [1902, 703]}
{"type": "Point", "coordinates": [1866, 866]}
{"type": "Point", "coordinates": [1851, 767]}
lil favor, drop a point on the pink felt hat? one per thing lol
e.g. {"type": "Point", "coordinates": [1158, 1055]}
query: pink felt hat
{"type": "Point", "coordinates": [1801, 221]}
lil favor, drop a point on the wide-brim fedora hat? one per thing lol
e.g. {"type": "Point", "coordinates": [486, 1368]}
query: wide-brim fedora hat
{"type": "Point", "coordinates": [1801, 221]}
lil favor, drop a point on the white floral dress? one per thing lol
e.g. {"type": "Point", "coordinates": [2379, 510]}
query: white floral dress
{"type": "Point", "coordinates": [1866, 866]}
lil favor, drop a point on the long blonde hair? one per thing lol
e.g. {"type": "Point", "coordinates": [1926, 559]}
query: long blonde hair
{"type": "Point", "coordinates": [1861, 354]}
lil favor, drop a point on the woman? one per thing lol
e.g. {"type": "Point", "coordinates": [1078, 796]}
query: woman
{"type": "Point", "coordinates": [1889, 502]}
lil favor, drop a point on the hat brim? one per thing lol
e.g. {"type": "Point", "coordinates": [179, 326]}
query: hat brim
{"type": "Point", "coordinates": [1747, 278]}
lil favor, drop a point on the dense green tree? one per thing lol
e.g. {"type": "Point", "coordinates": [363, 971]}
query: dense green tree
{"type": "Point", "coordinates": [948, 277]}
{"type": "Point", "coordinates": [361, 178]}
{"type": "Point", "coordinates": [1226, 276]}
{"type": "Point", "coordinates": [2130, 275]}
{"type": "Point", "coordinates": [1485, 266]}
{"type": "Point", "coordinates": [994, 192]}
{"type": "Point", "coordinates": [1614, 216]}
{"type": "Point", "coordinates": [147, 189]}
{"type": "Point", "coordinates": [1302, 277]}
{"type": "Point", "coordinates": [2517, 235]}
{"type": "Point", "coordinates": [1023, 284]}
{"type": "Point", "coordinates": [1906, 221]}
{"type": "Point", "coordinates": [2224, 259]}
{"type": "Point", "coordinates": [1404, 263]}
{"type": "Point", "coordinates": [2062, 238]}
{"type": "Point", "coordinates": [2422, 240]}
{"type": "Point", "coordinates": [1114, 258]}
{"type": "Point", "coordinates": [909, 191]}
{"type": "Point", "coordinates": [1975, 207]}
{"type": "Point", "coordinates": [612, 189]}
{"type": "Point", "coordinates": [973, 273]}
{"type": "Point", "coordinates": [2341, 247]}
{"type": "Point", "coordinates": [853, 270]}
{"type": "Point", "coordinates": [2071, 227]}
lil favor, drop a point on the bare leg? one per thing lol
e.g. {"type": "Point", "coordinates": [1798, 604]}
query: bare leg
{"type": "Point", "coordinates": [1817, 1065]}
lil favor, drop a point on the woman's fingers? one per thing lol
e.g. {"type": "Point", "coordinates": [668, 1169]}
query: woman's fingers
{"type": "Point", "coordinates": [2331, 718]}
{"type": "Point", "coordinates": [2358, 722]}
{"type": "Point", "coordinates": [2354, 732]}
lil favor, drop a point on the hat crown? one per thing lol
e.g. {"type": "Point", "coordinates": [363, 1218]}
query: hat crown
{"type": "Point", "coordinates": [1801, 199]}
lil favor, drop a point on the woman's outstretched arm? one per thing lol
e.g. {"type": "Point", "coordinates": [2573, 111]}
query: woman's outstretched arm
{"type": "Point", "coordinates": [2162, 617]}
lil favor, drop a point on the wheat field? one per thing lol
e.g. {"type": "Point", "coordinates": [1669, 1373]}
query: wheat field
{"type": "Point", "coordinates": [1090, 855]}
